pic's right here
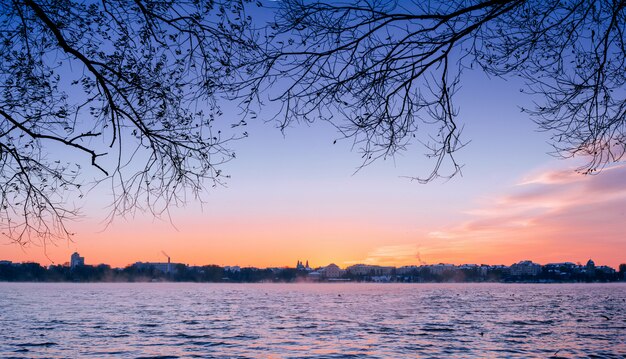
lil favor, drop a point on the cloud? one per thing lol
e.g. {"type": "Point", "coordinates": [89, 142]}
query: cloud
{"type": "Point", "coordinates": [402, 254]}
{"type": "Point", "coordinates": [551, 177]}
{"type": "Point", "coordinates": [550, 214]}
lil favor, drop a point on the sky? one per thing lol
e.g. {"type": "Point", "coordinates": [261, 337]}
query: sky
{"type": "Point", "coordinates": [297, 196]}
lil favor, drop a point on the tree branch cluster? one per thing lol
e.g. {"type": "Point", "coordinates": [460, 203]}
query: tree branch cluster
{"type": "Point", "coordinates": [385, 72]}
{"type": "Point", "coordinates": [127, 87]}
{"type": "Point", "coordinates": [131, 88]}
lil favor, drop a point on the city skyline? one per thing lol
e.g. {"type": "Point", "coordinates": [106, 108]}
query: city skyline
{"type": "Point", "coordinates": [76, 260]}
{"type": "Point", "coordinates": [523, 271]}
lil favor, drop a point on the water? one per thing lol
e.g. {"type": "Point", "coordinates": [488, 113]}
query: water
{"type": "Point", "coordinates": [312, 320]}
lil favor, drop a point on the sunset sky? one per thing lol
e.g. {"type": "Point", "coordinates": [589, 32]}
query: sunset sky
{"type": "Point", "coordinates": [297, 197]}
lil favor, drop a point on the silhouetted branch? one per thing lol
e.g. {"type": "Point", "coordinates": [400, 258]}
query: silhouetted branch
{"type": "Point", "coordinates": [130, 84]}
{"type": "Point", "coordinates": [379, 70]}
{"type": "Point", "coordinates": [135, 86]}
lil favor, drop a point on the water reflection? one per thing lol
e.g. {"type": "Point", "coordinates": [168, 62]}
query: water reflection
{"type": "Point", "coordinates": [312, 321]}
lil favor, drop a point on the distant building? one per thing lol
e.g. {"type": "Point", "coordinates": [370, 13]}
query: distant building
{"type": "Point", "coordinates": [76, 260]}
{"type": "Point", "coordinates": [385, 270]}
{"type": "Point", "coordinates": [440, 268]}
{"type": "Point", "coordinates": [525, 268]}
{"type": "Point", "coordinates": [407, 270]}
{"type": "Point", "coordinates": [561, 266]}
{"type": "Point", "coordinates": [361, 269]}
{"type": "Point", "coordinates": [234, 269]}
{"type": "Point", "coordinates": [332, 271]}
{"type": "Point", "coordinates": [302, 266]}
{"type": "Point", "coordinates": [590, 264]}
{"type": "Point", "coordinates": [367, 269]}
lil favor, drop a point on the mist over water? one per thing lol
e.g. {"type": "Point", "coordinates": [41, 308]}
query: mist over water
{"type": "Point", "coordinates": [183, 320]}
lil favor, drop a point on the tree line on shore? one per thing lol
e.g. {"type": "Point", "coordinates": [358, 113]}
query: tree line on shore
{"type": "Point", "coordinates": [34, 272]}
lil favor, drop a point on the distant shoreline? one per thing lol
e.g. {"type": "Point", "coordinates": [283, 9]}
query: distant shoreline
{"type": "Point", "coordinates": [301, 282]}
{"type": "Point", "coordinates": [522, 272]}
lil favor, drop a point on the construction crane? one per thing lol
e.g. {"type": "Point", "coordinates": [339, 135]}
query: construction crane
{"type": "Point", "coordinates": [168, 261]}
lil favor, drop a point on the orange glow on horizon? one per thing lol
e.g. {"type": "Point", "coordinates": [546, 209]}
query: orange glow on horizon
{"type": "Point", "coordinates": [554, 217]}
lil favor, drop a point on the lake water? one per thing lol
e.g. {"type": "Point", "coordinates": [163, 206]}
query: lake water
{"type": "Point", "coordinates": [168, 320]}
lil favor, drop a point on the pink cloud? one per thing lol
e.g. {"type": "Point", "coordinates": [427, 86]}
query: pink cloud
{"type": "Point", "coordinates": [553, 214]}
{"type": "Point", "coordinates": [402, 254]}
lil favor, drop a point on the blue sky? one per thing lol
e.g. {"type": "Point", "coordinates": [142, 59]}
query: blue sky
{"type": "Point", "coordinates": [297, 196]}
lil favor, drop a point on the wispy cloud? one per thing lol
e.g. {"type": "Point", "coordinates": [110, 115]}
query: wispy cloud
{"type": "Point", "coordinates": [391, 255]}
{"type": "Point", "coordinates": [549, 215]}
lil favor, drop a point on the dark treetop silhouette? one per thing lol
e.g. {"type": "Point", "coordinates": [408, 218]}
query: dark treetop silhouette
{"type": "Point", "coordinates": [382, 70]}
{"type": "Point", "coordinates": [119, 83]}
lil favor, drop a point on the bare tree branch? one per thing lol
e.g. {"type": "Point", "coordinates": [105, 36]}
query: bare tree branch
{"type": "Point", "coordinates": [131, 84]}
{"type": "Point", "coordinates": [380, 71]}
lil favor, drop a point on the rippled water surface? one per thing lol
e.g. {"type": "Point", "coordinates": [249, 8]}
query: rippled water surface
{"type": "Point", "coordinates": [312, 320]}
